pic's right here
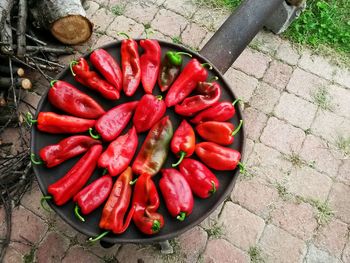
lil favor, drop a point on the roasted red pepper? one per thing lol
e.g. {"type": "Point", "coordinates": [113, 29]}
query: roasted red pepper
{"type": "Point", "coordinates": [177, 193]}
{"type": "Point", "coordinates": [154, 150]}
{"type": "Point", "coordinates": [92, 196]}
{"type": "Point", "coordinates": [108, 67]}
{"type": "Point", "coordinates": [187, 81]}
{"type": "Point", "coordinates": [82, 73]}
{"type": "Point", "coordinates": [219, 132]}
{"type": "Point", "coordinates": [70, 184]}
{"type": "Point", "coordinates": [130, 65]}
{"type": "Point", "coordinates": [146, 203]}
{"type": "Point", "coordinates": [208, 94]}
{"type": "Point", "coordinates": [67, 98]}
{"type": "Point", "coordinates": [183, 141]}
{"type": "Point", "coordinates": [221, 111]}
{"type": "Point", "coordinates": [119, 153]}
{"type": "Point", "coordinates": [148, 112]}
{"type": "Point", "coordinates": [68, 148]}
{"type": "Point", "coordinates": [218, 157]}
{"type": "Point", "coordinates": [150, 63]}
{"type": "Point", "coordinates": [54, 123]}
{"type": "Point", "coordinates": [110, 125]}
{"type": "Point", "coordinates": [201, 180]}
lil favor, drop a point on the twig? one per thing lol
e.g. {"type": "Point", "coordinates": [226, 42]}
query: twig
{"type": "Point", "coordinates": [33, 38]}
{"type": "Point", "coordinates": [5, 70]}
{"type": "Point", "coordinates": [6, 83]}
{"type": "Point", "coordinates": [21, 27]}
{"type": "Point", "coordinates": [49, 62]}
{"type": "Point", "coordinates": [5, 28]}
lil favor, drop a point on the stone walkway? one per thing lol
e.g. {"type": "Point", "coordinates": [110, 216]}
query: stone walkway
{"type": "Point", "coordinates": [293, 206]}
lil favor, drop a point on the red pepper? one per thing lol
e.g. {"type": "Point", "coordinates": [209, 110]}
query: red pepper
{"type": "Point", "coordinates": [201, 180]}
{"type": "Point", "coordinates": [67, 98]}
{"type": "Point", "coordinates": [53, 123]}
{"type": "Point", "coordinates": [146, 203]}
{"type": "Point", "coordinates": [150, 63]}
{"type": "Point", "coordinates": [130, 65]}
{"type": "Point", "coordinates": [183, 142]}
{"type": "Point", "coordinates": [219, 132]}
{"type": "Point", "coordinates": [119, 153]}
{"type": "Point", "coordinates": [221, 111]}
{"type": "Point", "coordinates": [110, 125]}
{"type": "Point", "coordinates": [218, 157]}
{"type": "Point", "coordinates": [92, 196]}
{"type": "Point", "coordinates": [209, 94]}
{"type": "Point", "coordinates": [148, 112]}
{"type": "Point", "coordinates": [108, 67]}
{"type": "Point", "coordinates": [177, 193]}
{"type": "Point", "coordinates": [82, 73]}
{"type": "Point", "coordinates": [70, 184]}
{"type": "Point", "coordinates": [68, 148]}
{"type": "Point", "coordinates": [187, 81]}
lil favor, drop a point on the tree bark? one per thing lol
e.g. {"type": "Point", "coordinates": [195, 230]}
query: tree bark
{"type": "Point", "coordinates": [5, 25]}
{"type": "Point", "coordinates": [21, 28]}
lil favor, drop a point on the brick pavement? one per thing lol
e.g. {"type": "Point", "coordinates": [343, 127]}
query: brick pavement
{"type": "Point", "coordinates": [294, 206]}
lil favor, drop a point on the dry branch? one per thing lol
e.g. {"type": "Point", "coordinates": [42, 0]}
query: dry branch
{"type": "Point", "coordinates": [21, 27]}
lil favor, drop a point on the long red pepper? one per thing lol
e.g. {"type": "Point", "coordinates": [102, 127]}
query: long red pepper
{"type": "Point", "coordinates": [219, 132]}
{"type": "Point", "coordinates": [218, 157]}
{"type": "Point", "coordinates": [130, 65]}
{"type": "Point", "coordinates": [148, 112]}
{"type": "Point", "coordinates": [201, 180]}
{"type": "Point", "coordinates": [150, 63]}
{"type": "Point", "coordinates": [183, 142]}
{"type": "Point", "coordinates": [110, 125]}
{"type": "Point", "coordinates": [146, 203]}
{"type": "Point", "coordinates": [187, 81]}
{"type": "Point", "coordinates": [82, 73]}
{"type": "Point", "coordinates": [177, 193]}
{"type": "Point", "coordinates": [119, 153]}
{"type": "Point", "coordinates": [209, 94]}
{"type": "Point", "coordinates": [68, 148]}
{"type": "Point", "coordinates": [108, 67]}
{"type": "Point", "coordinates": [70, 184]}
{"type": "Point", "coordinates": [221, 111]}
{"type": "Point", "coordinates": [92, 196]}
{"type": "Point", "coordinates": [67, 98]}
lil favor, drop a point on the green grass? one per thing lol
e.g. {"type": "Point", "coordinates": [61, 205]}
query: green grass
{"type": "Point", "coordinates": [215, 230]}
{"type": "Point", "coordinates": [118, 10]}
{"type": "Point", "coordinates": [343, 145]}
{"type": "Point", "coordinates": [255, 255]}
{"type": "Point", "coordinates": [322, 98]}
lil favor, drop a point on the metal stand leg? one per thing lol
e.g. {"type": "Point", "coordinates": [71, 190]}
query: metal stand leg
{"type": "Point", "coordinates": [166, 248]}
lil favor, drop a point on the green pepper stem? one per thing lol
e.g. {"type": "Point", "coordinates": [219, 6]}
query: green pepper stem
{"type": "Point", "coordinates": [156, 226]}
{"type": "Point", "coordinates": [104, 171]}
{"type": "Point", "coordinates": [133, 182]}
{"type": "Point", "coordinates": [36, 162]}
{"type": "Point", "coordinates": [183, 53]}
{"type": "Point", "coordinates": [182, 156]}
{"type": "Point", "coordinates": [94, 239]}
{"type": "Point", "coordinates": [52, 82]}
{"type": "Point", "coordinates": [242, 168]}
{"type": "Point", "coordinates": [236, 100]}
{"type": "Point", "coordinates": [94, 136]}
{"type": "Point", "coordinates": [207, 64]}
{"type": "Point", "coordinates": [77, 214]}
{"type": "Point", "coordinates": [44, 200]}
{"type": "Point", "coordinates": [213, 189]}
{"type": "Point", "coordinates": [29, 119]}
{"type": "Point", "coordinates": [123, 34]}
{"type": "Point", "coordinates": [159, 97]}
{"type": "Point", "coordinates": [181, 217]}
{"type": "Point", "coordinates": [238, 128]}
{"type": "Point", "coordinates": [71, 64]}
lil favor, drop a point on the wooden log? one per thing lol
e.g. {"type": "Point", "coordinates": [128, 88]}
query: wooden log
{"type": "Point", "coordinates": [5, 26]}
{"type": "Point", "coordinates": [5, 70]}
{"type": "Point", "coordinates": [24, 83]}
{"type": "Point", "coordinates": [21, 28]}
{"type": "Point", "coordinates": [66, 20]}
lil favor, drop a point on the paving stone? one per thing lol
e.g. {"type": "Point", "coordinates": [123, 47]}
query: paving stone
{"type": "Point", "coordinates": [12, 135]}
{"type": "Point", "coordinates": [78, 254]}
{"type": "Point", "coordinates": [141, 12]}
{"type": "Point", "coordinates": [346, 253]}
{"type": "Point", "coordinates": [305, 84]}
{"type": "Point", "coordinates": [242, 84]}
{"type": "Point", "coordinates": [316, 255]}
{"type": "Point", "coordinates": [193, 35]}
{"type": "Point", "coordinates": [278, 74]}
{"type": "Point", "coordinates": [206, 39]}
{"type": "Point", "coordinates": [249, 145]}
{"type": "Point", "coordinates": [185, 8]}
{"type": "Point", "coordinates": [52, 248]}
{"type": "Point", "coordinates": [282, 136]}
{"type": "Point", "coordinates": [266, 42]}
{"type": "Point", "coordinates": [244, 222]}
{"type": "Point", "coordinates": [297, 219]}
{"type": "Point", "coordinates": [61, 226]}
{"type": "Point", "coordinates": [340, 100]}
{"type": "Point", "coordinates": [100, 251]}
{"type": "Point", "coordinates": [135, 253]}
{"type": "Point", "coordinates": [332, 237]}
{"type": "Point", "coordinates": [26, 227]}
{"type": "Point", "coordinates": [127, 25]}
{"type": "Point", "coordinates": [339, 201]}
{"type": "Point", "coordinates": [252, 62]}
{"type": "Point", "coordinates": [254, 122]}
{"type": "Point", "coordinates": [212, 219]}
{"type": "Point", "coordinates": [101, 19]}
{"type": "Point", "coordinates": [329, 126]}
{"type": "Point", "coordinates": [90, 8]}
{"type": "Point", "coordinates": [343, 174]}
{"type": "Point", "coordinates": [102, 40]}
{"type": "Point", "coordinates": [169, 23]}
{"type": "Point", "coordinates": [287, 53]}
{"type": "Point", "coordinates": [2, 222]}
{"type": "Point", "coordinates": [65, 60]}
{"type": "Point", "coordinates": [12, 256]}
{"type": "Point", "coordinates": [86, 46]}
{"type": "Point", "coordinates": [192, 244]}
{"type": "Point", "coordinates": [279, 246]}
{"type": "Point", "coordinates": [342, 77]}
{"type": "Point", "coordinates": [316, 151]}
{"type": "Point", "coordinates": [265, 98]}
{"type": "Point", "coordinates": [210, 18]}
{"type": "Point", "coordinates": [158, 35]}
{"type": "Point", "coordinates": [221, 251]}
{"type": "Point", "coordinates": [255, 196]}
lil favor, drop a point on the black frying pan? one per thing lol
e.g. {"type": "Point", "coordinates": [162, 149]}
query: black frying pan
{"type": "Point", "coordinates": [172, 228]}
